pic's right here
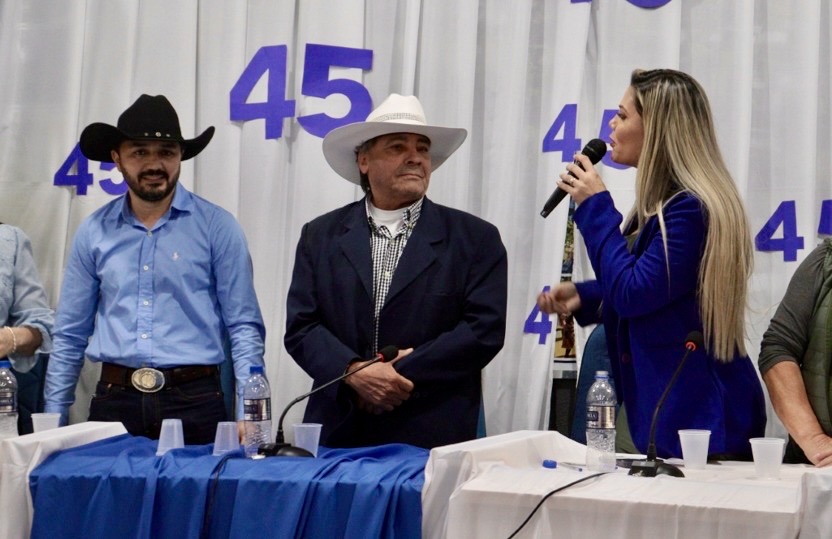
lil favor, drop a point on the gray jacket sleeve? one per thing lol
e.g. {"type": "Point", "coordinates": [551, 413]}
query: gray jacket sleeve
{"type": "Point", "coordinates": [788, 332]}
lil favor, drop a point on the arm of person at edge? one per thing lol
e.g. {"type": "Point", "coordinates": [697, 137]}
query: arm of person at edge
{"type": "Point", "coordinates": [783, 347]}
{"type": "Point", "coordinates": [787, 391]}
{"type": "Point", "coordinates": [29, 315]}
{"type": "Point", "coordinates": [632, 286]}
{"type": "Point", "coordinates": [74, 324]}
{"type": "Point", "coordinates": [240, 310]}
{"type": "Point", "coordinates": [477, 337]}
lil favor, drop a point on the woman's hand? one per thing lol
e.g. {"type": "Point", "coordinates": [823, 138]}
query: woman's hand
{"type": "Point", "coordinates": [562, 299]}
{"type": "Point", "coordinates": [585, 182]}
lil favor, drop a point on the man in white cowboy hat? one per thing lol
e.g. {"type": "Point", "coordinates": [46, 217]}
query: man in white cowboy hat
{"type": "Point", "coordinates": [157, 286]}
{"type": "Point", "coordinates": [396, 269]}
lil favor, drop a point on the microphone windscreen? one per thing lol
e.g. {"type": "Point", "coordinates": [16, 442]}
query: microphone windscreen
{"type": "Point", "coordinates": [694, 339]}
{"type": "Point", "coordinates": [595, 150]}
{"type": "Point", "coordinates": [388, 352]}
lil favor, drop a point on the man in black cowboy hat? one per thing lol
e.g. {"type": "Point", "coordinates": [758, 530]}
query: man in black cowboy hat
{"type": "Point", "coordinates": [396, 269]}
{"type": "Point", "coordinates": [158, 285]}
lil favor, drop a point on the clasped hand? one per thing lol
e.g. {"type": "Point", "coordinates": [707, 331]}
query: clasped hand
{"type": "Point", "coordinates": [380, 387]}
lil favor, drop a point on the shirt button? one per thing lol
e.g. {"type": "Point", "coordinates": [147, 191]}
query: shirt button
{"type": "Point", "coordinates": [149, 233]}
{"type": "Point", "coordinates": [146, 302]}
{"type": "Point", "coordinates": [387, 274]}
{"type": "Point", "coordinates": [144, 335]}
{"type": "Point", "coordinates": [145, 267]}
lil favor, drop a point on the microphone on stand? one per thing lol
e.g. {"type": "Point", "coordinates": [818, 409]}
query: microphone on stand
{"type": "Point", "coordinates": [595, 150]}
{"type": "Point", "coordinates": [652, 466]}
{"type": "Point", "coordinates": [282, 449]}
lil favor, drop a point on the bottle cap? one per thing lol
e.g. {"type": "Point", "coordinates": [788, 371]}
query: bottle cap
{"type": "Point", "coordinates": [255, 369]}
{"type": "Point", "coordinates": [550, 463]}
{"type": "Point", "coordinates": [5, 364]}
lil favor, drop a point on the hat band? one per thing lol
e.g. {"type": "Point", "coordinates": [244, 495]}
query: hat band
{"type": "Point", "coordinates": [158, 134]}
{"type": "Point", "coordinates": [393, 116]}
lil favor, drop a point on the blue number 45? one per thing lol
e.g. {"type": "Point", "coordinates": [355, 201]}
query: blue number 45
{"type": "Point", "coordinates": [270, 61]}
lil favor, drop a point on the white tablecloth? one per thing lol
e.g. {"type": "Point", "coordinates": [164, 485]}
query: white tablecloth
{"type": "Point", "coordinates": [817, 511]}
{"type": "Point", "coordinates": [486, 488]}
{"type": "Point", "coordinates": [20, 455]}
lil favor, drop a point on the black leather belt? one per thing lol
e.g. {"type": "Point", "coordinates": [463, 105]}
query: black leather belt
{"type": "Point", "coordinates": [150, 380]}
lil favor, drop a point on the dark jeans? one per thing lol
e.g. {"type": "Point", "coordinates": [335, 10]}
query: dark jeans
{"type": "Point", "coordinates": [198, 403]}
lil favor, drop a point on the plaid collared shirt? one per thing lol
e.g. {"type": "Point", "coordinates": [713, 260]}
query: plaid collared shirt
{"type": "Point", "coordinates": [386, 250]}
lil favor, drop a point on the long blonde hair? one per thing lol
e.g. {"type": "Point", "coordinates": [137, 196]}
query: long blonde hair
{"type": "Point", "coordinates": [680, 153]}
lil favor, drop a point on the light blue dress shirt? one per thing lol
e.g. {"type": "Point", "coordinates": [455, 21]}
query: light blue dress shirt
{"type": "Point", "coordinates": [170, 296]}
{"type": "Point", "coordinates": [22, 299]}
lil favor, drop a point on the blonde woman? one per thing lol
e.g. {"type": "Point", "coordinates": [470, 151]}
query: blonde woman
{"type": "Point", "coordinates": [681, 264]}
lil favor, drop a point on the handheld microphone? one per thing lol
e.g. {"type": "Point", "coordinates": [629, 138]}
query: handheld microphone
{"type": "Point", "coordinates": [282, 449]}
{"type": "Point", "coordinates": [651, 466]}
{"type": "Point", "coordinates": [595, 150]}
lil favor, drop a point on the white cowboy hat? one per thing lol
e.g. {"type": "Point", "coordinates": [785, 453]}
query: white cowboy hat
{"type": "Point", "coordinates": [397, 114]}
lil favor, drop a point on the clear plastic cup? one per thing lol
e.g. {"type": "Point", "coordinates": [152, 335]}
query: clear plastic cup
{"type": "Point", "coordinates": [307, 436]}
{"type": "Point", "coordinates": [227, 438]}
{"type": "Point", "coordinates": [45, 421]}
{"type": "Point", "coordinates": [695, 444]}
{"type": "Point", "coordinates": [768, 456]}
{"type": "Point", "coordinates": [170, 437]}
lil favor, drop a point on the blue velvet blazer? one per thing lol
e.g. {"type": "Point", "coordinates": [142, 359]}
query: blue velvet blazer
{"type": "Point", "coordinates": [648, 309]}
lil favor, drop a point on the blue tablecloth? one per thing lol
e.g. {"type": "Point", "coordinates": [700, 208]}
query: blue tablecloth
{"type": "Point", "coordinates": [119, 488]}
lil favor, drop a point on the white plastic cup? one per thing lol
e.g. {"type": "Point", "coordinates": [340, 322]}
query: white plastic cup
{"type": "Point", "coordinates": [170, 437]}
{"type": "Point", "coordinates": [695, 443]}
{"type": "Point", "coordinates": [45, 421]}
{"type": "Point", "coordinates": [307, 436]}
{"type": "Point", "coordinates": [227, 438]}
{"type": "Point", "coordinates": [768, 456]}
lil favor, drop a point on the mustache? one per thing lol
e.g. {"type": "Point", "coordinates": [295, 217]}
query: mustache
{"type": "Point", "coordinates": [411, 169]}
{"type": "Point", "coordinates": [154, 173]}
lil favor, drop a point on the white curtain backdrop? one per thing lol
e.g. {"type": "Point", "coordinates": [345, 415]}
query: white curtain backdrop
{"type": "Point", "coordinates": [521, 76]}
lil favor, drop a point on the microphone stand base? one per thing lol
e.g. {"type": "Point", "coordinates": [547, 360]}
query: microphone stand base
{"type": "Point", "coordinates": [654, 467]}
{"type": "Point", "coordinates": [282, 450]}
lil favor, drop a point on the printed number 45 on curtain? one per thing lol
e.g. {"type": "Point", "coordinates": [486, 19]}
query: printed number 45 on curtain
{"type": "Point", "coordinates": [269, 63]}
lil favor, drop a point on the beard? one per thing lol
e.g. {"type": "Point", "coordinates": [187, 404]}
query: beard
{"type": "Point", "coordinates": [150, 193]}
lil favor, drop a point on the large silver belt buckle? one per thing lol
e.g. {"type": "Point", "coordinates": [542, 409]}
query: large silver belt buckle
{"type": "Point", "coordinates": [148, 380]}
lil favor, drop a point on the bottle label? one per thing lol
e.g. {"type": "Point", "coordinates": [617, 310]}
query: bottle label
{"type": "Point", "coordinates": [600, 417]}
{"type": "Point", "coordinates": [8, 402]}
{"type": "Point", "coordinates": [257, 409]}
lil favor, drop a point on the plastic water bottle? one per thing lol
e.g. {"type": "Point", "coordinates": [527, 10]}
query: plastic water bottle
{"type": "Point", "coordinates": [600, 424]}
{"type": "Point", "coordinates": [257, 411]}
{"type": "Point", "coordinates": [8, 401]}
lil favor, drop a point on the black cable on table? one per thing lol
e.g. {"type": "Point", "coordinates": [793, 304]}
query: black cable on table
{"type": "Point", "coordinates": [536, 507]}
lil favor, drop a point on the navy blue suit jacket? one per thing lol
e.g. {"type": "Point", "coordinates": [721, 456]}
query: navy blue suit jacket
{"type": "Point", "coordinates": [447, 300]}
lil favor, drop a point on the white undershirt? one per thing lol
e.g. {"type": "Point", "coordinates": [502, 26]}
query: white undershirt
{"type": "Point", "coordinates": [390, 219]}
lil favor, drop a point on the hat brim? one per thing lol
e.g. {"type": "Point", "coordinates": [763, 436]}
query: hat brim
{"type": "Point", "coordinates": [339, 144]}
{"type": "Point", "coordinates": [99, 139]}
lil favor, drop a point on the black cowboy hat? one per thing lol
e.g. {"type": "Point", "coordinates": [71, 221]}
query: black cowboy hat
{"type": "Point", "coordinates": [149, 118]}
